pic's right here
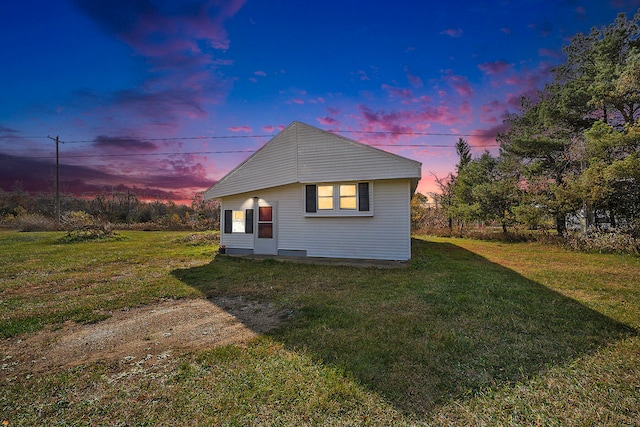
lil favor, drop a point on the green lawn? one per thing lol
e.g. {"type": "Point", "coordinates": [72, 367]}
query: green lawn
{"type": "Point", "coordinates": [470, 333]}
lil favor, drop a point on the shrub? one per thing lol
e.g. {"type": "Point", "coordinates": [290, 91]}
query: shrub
{"type": "Point", "coordinates": [77, 220]}
{"type": "Point", "coordinates": [616, 241]}
{"type": "Point", "coordinates": [81, 226]}
{"type": "Point", "coordinates": [34, 222]}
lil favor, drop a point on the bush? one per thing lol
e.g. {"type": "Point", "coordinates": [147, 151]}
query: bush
{"type": "Point", "coordinates": [616, 241]}
{"type": "Point", "coordinates": [77, 220]}
{"type": "Point", "coordinates": [33, 222]}
{"type": "Point", "coordinates": [81, 227]}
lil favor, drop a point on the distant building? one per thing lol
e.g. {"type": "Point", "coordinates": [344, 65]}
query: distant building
{"type": "Point", "coordinates": [312, 193]}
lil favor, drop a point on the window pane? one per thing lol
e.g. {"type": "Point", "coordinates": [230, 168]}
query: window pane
{"type": "Point", "coordinates": [265, 213]}
{"type": "Point", "coordinates": [325, 202]}
{"type": "Point", "coordinates": [325, 196]}
{"type": "Point", "coordinates": [325, 190]}
{"type": "Point", "coordinates": [238, 222]}
{"type": "Point", "coordinates": [348, 202]}
{"type": "Point", "coordinates": [265, 230]}
{"type": "Point", "coordinates": [348, 190]}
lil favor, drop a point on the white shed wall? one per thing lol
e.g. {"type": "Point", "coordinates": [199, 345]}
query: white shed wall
{"type": "Point", "coordinates": [235, 240]}
{"type": "Point", "coordinates": [273, 165]}
{"type": "Point", "coordinates": [324, 157]}
{"type": "Point", "coordinates": [385, 235]}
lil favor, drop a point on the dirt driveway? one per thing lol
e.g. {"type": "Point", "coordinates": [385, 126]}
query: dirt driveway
{"type": "Point", "coordinates": [149, 333]}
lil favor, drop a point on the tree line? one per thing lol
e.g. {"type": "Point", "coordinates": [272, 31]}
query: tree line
{"type": "Point", "coordinates": [571, 156]}
{"type": "Point", "coordinates": [20, 209]}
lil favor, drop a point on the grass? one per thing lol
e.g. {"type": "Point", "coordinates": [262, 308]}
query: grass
{"type": "Point", "coordinates": [471, 333]}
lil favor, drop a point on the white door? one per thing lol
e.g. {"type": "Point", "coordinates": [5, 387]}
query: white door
{"type": "Point", "coordinates": [266, 226]}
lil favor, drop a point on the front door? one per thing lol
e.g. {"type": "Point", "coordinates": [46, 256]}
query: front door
{"type": "Point", "coordinates": [266, 237]}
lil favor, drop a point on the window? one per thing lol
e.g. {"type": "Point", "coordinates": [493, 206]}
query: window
{"type": "Point", "coordinates": [265, 222]}
{"type": "Point", "coordinates": [325, 197]}
{"type": "Point", "coordinates": [348, 196]}
{"type": "Point", "coordinates": [238, 221]}
{"type": "Point", "coordinates": [338, 199]}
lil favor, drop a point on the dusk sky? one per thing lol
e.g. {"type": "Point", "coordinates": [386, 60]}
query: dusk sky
{"type": "Point", "coordinates": [164, 97]}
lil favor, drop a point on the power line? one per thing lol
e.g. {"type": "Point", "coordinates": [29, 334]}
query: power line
{"type": "Point", "coordinates": [191, 138]}
{"type": "Point", "coordinates": [237, 151]}
{"type": "Point", "coordinates": [140, 154]}
{"type": "Point", "coordinates": [188, 138]}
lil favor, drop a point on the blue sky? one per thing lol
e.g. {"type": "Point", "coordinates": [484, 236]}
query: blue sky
{"type": "Point", "coordinates": [144, 93]}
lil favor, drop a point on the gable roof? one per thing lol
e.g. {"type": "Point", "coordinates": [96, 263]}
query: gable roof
{"type": "Point", "coordinates": [304, 154]}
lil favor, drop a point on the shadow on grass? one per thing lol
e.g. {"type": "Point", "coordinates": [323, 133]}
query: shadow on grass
{"type": "Point", "coordinates": [451, 325]}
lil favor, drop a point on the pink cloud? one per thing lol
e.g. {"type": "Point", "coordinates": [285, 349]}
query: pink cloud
{"type": "Point", "coordinates": [407, 121]}
{"type": "Point", "coordinates": [414, 81]}
{"type": "Point", "coordinates": [328, 121]}
{"type": "Point", "coordinates": [506, 30]}
{"type": "Point", "coordinates": [268, 128]}
{"type": "Point", "coordinates": [495, 67]}
{"type": "Point", "coordinates": [460, 84]}
{"type": "Point", "coordinates": [452, 32]}
{"type": "Point", "coordinates": [487, 137]}
{"type": "Point", "coordinates": [260, 73]}
{"type": "Point", "coordinates": [363, 75]}
{"type": "Point", "coordinates": [297, 101]}
{"type": "Point", "coordinates": [243, 128]}
{"type": "Point", "coordinates": [174, 39]}
{"type": "Point", "coordinates": [173, 179]}
{"type": "Point", "coordinates": [396, 92]}
{"type": "Point", "coordinates": [493, 111]}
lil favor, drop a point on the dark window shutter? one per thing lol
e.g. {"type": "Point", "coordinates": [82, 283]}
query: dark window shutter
{"type": "Point", "coordinates": [248, 221]}
{"type": "Point", "coordinates": [228, 221]}
{"type": "Point", "coordinates": [363, 196]}
{"type": "Point", "coordinates": [311, 201]}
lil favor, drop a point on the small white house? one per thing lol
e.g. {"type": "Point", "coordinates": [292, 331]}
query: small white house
{"type": "Point", "coordinates": [312, 193]}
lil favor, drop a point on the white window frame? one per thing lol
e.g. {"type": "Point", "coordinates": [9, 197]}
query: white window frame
{"type": "Point", "coordinates": [238, 224]}
{"type": "Point", "coordinates": [336, 211]}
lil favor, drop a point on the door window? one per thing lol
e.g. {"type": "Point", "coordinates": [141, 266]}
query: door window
{"type": "Point", "coordinates": [265, 222]}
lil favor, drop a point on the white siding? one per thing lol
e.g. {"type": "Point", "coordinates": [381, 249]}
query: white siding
{"type": "Point", "coordinates": [324, 157]}
{"type": "Point", "coordinates": [385, 235]}
{"type": "Point", "coordinates": [235, 240]}
{"type": "Point", "coordinates": [305, 154]}
{"type": "Point", "coordinates": [273, 165]}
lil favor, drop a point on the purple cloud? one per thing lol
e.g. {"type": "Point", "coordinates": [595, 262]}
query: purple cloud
{"type": "Point", "coordinates": [329, 121]}
{"type": "Point", "coordinates": [123, 144]}
{"type": "Point", "coordinates": [243, 128]}
{"type": "Point", "coordinates": [460, 84]}
{"type": "Point", "coordinates": [176, 179]}
{"type": "Point", "coordinates": [487, 137]}
{"type": "Point", "coordinates": [177, 41]}
{"type": "Point", "coordinates": [495, 67]}
{"type": "Point", "coordinates": [452, 32]}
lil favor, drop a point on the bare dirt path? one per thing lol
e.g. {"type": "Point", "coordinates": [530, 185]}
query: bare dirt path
{"type": "Point", "coordinates": [149, 333]}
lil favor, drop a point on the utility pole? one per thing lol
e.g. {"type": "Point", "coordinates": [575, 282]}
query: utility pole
{"type": "Point", "coordinates": [57, 140]}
